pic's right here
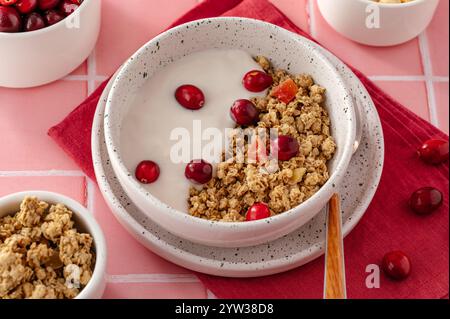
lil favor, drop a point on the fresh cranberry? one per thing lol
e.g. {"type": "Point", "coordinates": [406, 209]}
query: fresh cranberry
{"type": "Point", "coordinates": [26, 6]}
{"type": "Point", "coordinates": [47, 4]}
{"type": "Point", "coordinates": [244, 112]}
{"type": "Point", "coordinates": [257, 211]}
{"type": "Point", "coordinates": [396, 265]}
{"type": "Point", "coordinates": [190, 97]}
{"type": "Point", "coordinates": [426, 200]}
{"type": "Point", "coordinates": [257, 81]}
{"type": "Point", "coordinates": [7, 2]}
{"type": "Point", "coordinates": [199, 171]}
{"type": "Point", "coordinates": [10, 20]}
{"type": "Point", "coordinates": [434, 151]}
{"type": "Point", "coordinates": [285, 147]}
{"type": "Point", "coordinates": [68, 7]}
{"type": "Point", "coordinates": [34, 21]}
{"type": "Point", "coordinates": [147, 172]}
{"type": "Point", "coordinates": [52, 17]}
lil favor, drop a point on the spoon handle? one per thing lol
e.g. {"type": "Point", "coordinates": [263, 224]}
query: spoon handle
{"type": "Point", "coordinates": [334, 255]}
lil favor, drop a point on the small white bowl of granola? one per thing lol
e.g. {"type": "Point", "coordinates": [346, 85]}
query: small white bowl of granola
{"type": "Point", "coordinates": [378, 22]}
{"type": "Point", "coordinates": [202, 78]}
{"type": "Point", "coordinates": [51, 247]}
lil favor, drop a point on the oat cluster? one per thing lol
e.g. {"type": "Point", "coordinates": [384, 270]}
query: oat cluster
{"type": "Point", "coordinates": [42, 255]}
{"type": "Point", "coordinates": [239, 184]}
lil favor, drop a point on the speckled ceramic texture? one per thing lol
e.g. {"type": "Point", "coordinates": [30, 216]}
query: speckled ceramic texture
{"type": "Point", "coordinates": [293, 250]}
{"type": "Point", "coordinates": [286, 50]}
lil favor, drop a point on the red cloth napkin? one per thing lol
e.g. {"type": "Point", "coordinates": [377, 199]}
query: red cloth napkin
{"type": "Point", "coordinates": [387, 225]}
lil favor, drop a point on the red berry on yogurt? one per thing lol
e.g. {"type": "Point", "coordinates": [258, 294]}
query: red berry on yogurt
{"type": "Point", "coordinates": [26, 6]}
{"type": "Point", "coordinates": [34, 21]}
{"type": "Point", "coordinates": [257, 81]}
{"type": "Point", "coordinates": [396, 265]}
{"type": "Point", "coordinates": [199, 171]}
{"type": "Point", "coordinates": [190, 97]}
{"type": "Point", "coordinates": [434, 151]}
{"type": "Point", "coordinates": [285, 147]}
{"type": "Point", "coordinates": [10, 20]}
{"type": "Point", "coordinates": [244, 112]}
{"type": "Point", "coordinates": [257, 211]}
{"type": "Point", "coordinates": [147, 172]}
{"type": "Point", "coordinates": [425, 200]}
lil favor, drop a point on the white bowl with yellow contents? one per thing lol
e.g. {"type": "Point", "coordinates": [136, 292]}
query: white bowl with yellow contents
{"type": "Point", "coordinates": [380, 22]}
{"type": "Point", "coordinates": [84, 222]}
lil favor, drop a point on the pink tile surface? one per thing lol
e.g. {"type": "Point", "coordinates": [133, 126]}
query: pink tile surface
{"type": "Point", "coordinates": [411, 94]}
{"type": "Point", "coordinates": [398, 60]}
{"type": "Point", "coordinates": [25, 116]}
{"type": "Point", "coordinates": [437, 35]}
{"type": "Point", "coordinates": [125, 254]}
{"type": "Point", "coordinates": [81, 70]}
{"type": "Point", "coordinates": [155, 291]}
{"type": "Point", "coordinates": [296, 10]}
{"type": "Point", "coordinates": [441, 91]}
{"type": "Point", "coordinates": [127, 28]}
{"type": "Point", "coordinates": [71, 186]}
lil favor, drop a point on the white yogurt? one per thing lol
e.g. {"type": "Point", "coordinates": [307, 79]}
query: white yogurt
{"type": "Point", "coordinates": [155, 113]}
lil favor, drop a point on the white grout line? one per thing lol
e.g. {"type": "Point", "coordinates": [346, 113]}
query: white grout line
{"type": "Point", "coordinates": [90, 194]}
{"type": "Point", "coordinates": [152, 278]}
{"type": "Point", "coordinates": [40, 173]}
{"type": "Point", "coordinates": [428, 70]}
{"type": "Point", "coordinates": [312, 18]}
{"type": "Point", "coordinates": [210, 295]}
{"type": "Point", "coordinates": [97, 78]}
{"type": "Point", "coordinates": [407, 78]}
{"type": "Point", "coordinates": [91, 72]}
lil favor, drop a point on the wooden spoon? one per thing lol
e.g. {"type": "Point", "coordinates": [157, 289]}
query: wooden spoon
{"type": "Point", "coordinates": [334, 255]}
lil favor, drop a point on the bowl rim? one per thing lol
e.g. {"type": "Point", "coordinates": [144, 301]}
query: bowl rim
{"type": "Point", "coordinates": [394, 5]}
{"type": "Point", "coordinates": [17, 35]}
{"type": "Point", "coordinates": [99, 272]}
{"type": "Point", "coordinates": [328, 187]}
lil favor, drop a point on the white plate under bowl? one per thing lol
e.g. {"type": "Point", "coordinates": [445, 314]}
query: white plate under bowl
{"type": "Point", "coordinates": [288, 252]}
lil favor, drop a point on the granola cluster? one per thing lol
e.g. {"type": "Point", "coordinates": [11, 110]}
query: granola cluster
{"type": "Point", "coordinates": [42, 255]}
{"type": "Point", "coordinates": [282, 185]}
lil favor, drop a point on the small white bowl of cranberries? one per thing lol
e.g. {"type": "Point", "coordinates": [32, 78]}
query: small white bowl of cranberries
{"type": "Point", "coordinates": [44, 40]}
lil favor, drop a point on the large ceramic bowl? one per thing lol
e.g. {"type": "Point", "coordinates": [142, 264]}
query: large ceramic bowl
{"type": "Point", "coordinates": [257, 38]}
{"type": "Point", "coordinates": [378, 24]}
{"type": "Point", "coordinates": [38, 57]}
{"type": "Point", "coordinates": [84, 222]}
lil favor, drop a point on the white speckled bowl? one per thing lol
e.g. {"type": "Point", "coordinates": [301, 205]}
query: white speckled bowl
{"type": "Point", "coordinates": [84, 222]}
{"type": "Point", "coordinates": [286, 50]}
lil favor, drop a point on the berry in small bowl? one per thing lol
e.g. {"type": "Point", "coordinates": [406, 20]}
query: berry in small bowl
{"type": "Point", "coordinates": [44, 40]}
